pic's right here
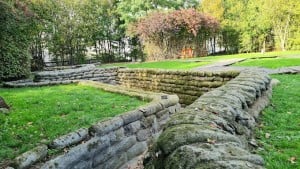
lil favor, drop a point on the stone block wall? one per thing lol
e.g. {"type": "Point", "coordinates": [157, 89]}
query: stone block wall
{"type": "Point", "coordinates": [110, 144]}
{"type": "Point", "coordinates": [188, 85]}
{"type": "Point", "coordinates": [216, 131]}
{"type": "Point", "coordinates": [86, 72]}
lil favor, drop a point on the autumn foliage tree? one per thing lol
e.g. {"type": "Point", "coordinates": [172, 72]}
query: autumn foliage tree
{"type": "Point", "coordinates": [166, 34]}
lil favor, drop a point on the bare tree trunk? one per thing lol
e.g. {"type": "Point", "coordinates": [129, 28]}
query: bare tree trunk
{"type": "Point", "coordinates": [282, 32]}
{"type": "Point", "coordinates": [214, 47]}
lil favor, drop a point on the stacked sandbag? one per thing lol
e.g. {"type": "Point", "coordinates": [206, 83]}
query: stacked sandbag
{"type": "Point", "coordinates": [216, 131]}
{"type": "Point", "coordinates": [188, 85]}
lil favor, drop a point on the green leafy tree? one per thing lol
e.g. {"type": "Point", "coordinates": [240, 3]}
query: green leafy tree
{"type": "Point", "coordinates": [255, 28]}
{"type": "Point", "coordinates": [245, 26]}
{"type": "Point", "coordinates": [228, 14]}
{"type": "Point", "coordinates": [44, 11]}
{"type": "Point", "coordinates": [284, 16]}
{"type": "Point", "coordinates": [132, 10]}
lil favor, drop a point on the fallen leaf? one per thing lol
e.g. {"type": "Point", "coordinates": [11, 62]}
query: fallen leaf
{"type": "Point", "coordinates": [213, 125]}
{"type": "Point", "coordinates": [66, 150]}
{"type": "Point", "coordinates": [261, 125]}
{"type": "Point", "coordinates": [292, 160]}
{"type": "Point", "coordinates": [253, 143]}
{"type": "Point", "coordinates": [267, 135]}
{"type": "Point", "coordinates": [289, 112]}
{"type": "Point", "coordinates": [29, 123]}
{"type": "Point", "coordinates": [211, 141]}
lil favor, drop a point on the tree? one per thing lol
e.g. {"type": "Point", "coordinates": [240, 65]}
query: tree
{"type": "Point", "coordinates": [255, 28]}
{"type": "Point", "coordinates": [68, 28]}
{"type": "Point", "coordinates": [43, 11]}
{"type": "Point", "coordinates": [283, 15]}
{"type": "Point", "coordinates": [132, 10]}
{"type": "Point", "coordinates": [213, 7]}
{"type": "Point", "coordinates": [108, 37]}
{"type": "Point", "coordinates": [245, 27]}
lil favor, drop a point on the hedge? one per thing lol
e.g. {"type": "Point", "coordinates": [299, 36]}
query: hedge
{"type": "Point", "coordinates": [16, 31]}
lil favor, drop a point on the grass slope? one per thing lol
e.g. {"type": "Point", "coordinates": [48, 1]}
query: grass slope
{"type": "Point", "coordinates": [282, 122]}
{"type": "Point", "coordinates": [171, 64]}
{"type": "Point", "coordinates": [271, 63]}
{"type": "Point", "coordinates": [286, 57]}
{"type": "Point", "coordinates": [285, 54]}
{"type": "Point", "coordinates": [42, 114]}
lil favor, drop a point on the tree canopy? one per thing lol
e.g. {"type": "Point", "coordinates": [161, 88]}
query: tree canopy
{"type": "Point", "coordinates": [72, 31]}
{"type": "Point", "coordinates": [256, 25]}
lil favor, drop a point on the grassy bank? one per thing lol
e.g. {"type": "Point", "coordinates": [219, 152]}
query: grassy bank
{"type": "Point", "coordinates": [280, 129]}
{"type": "Point", "coordinates": [171, 64]}
{"type": "Point", "coordinates": [287, 58]}
{"type": "Point", "coordinates": [271, 63]}
{"type": "Point", "coordinates": [39, 115]}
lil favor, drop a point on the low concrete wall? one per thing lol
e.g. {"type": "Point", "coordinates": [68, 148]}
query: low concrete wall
{"type": "Point", "coordinates": [188, 85]}
{"type": "Point", "coordinates": [110, 144]}
{"type": "Point", "coordinates": [216, 131]}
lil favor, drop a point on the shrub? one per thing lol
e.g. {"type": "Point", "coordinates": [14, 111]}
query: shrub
{"type": "Point", "coordinates": [168, 33]}
{"type": "Point", "coordinates": [15, 28]}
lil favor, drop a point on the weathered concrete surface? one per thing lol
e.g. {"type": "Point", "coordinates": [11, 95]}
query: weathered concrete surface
{"type": "Point", "coordinates": [215, 131]}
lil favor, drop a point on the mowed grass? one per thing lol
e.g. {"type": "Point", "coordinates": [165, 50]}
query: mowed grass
{"type": "Point", "coordinates": [285, 58]}
{"type": "Point", "coordinates": [280, 132]}
{"type": "Point", "coordinates": [39, 115]}
{"type": "Point", "coordinates": [271, 63]}
{"type": "Point", "coordinates": [279, 54]}
{"type": "Point", "coordinates": [171, 64]}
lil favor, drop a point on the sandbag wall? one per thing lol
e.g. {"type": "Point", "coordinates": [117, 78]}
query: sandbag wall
{"type": "Point", "coordinates": [86, 72]}
{"type": "Point", "coordinates": [188, 85]}
{"type": "Point", "coordinates": [119, 141]}
{"type": "Point", "coordinates": [111, 144]}
{"type": "Point", "coordinates": [216, 131]}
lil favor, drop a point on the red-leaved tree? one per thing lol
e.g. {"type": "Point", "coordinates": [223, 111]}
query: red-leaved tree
{"type": "Point", "coordinates": [166, 34]}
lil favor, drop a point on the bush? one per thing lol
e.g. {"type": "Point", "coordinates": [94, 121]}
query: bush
{"type": "Point", "coordinates": [15, 28]}
{"type": "Point", "coordinates": [167, 34]}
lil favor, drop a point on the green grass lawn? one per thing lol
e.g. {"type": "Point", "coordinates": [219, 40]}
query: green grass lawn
{"type": "Point", "coordinates": [42, 114]}
{"type": "Point", "coordinates": [282, 122]}
{"type": "Point", "coordinates": [271, 63]}
{"type": "Point", "coordinates": [280, 54]}
{"type": "Point", "coordinates": [171, 64]}
{"type": "Point", "coordinates": [286, 57]}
